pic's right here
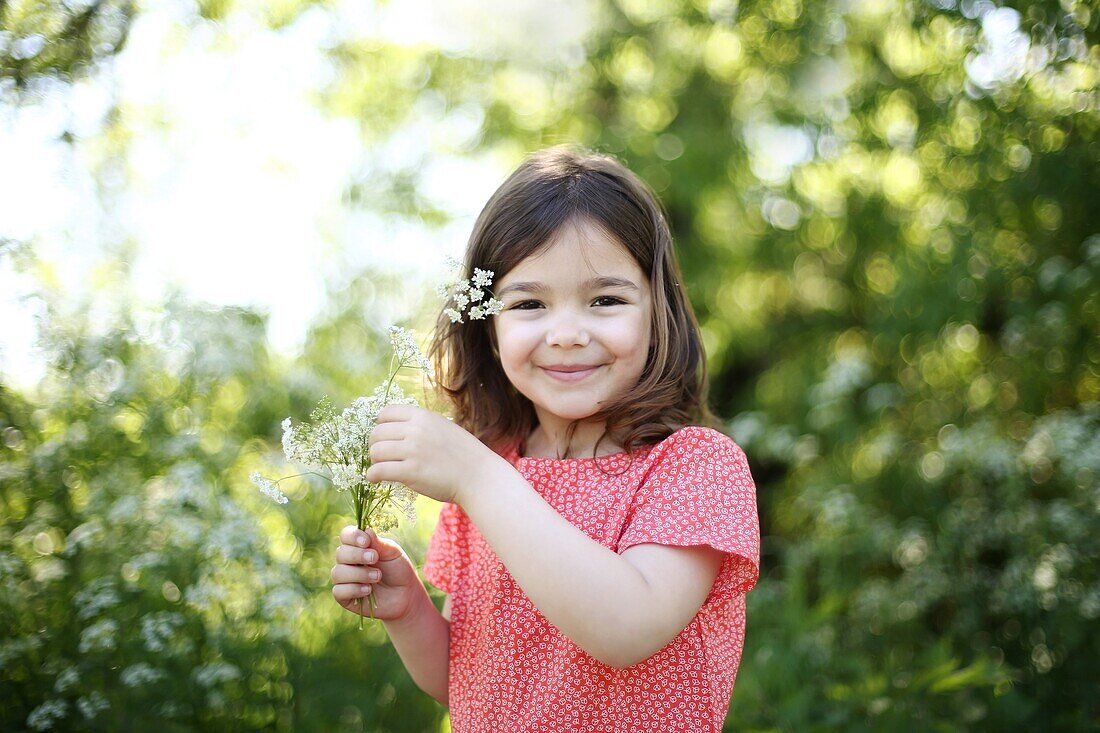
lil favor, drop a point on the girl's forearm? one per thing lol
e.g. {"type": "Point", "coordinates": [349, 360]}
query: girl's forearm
{"type": "Point", "coordinates": [590, 593]}
{"type": "Point", "coordinates": [422, 640]}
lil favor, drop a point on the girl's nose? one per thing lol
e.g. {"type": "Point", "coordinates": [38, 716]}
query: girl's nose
{"type": "Point", "coordinates": [567, 332]}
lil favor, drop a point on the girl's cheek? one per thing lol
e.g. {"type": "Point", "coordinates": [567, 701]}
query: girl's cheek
{"type": "Point", "coordinates": [518, 336]}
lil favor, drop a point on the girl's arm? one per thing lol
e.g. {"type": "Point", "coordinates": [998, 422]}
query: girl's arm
{"type": "Point", "coordinates": [619, 610]}
{"type": "Point", "coordinates": [422, 640]}
{"type": "Point", "coordinates": [418, 632]}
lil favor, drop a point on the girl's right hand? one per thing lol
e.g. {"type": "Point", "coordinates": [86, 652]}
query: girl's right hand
{"type": "Point", "coordinates": [365, 560]}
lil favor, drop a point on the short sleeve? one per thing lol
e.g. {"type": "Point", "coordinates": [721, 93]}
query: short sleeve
{"type": "Point", "coordinates": [700, 492]}
{"type": "Point", "coordinates": [439, 561]}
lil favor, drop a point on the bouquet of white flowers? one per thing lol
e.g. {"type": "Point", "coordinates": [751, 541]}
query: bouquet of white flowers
{"type": "Point", "coordinates": [336, 446]}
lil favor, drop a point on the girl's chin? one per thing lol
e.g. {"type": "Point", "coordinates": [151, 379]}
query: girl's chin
{"type": "Point", "coordinates": [567, 415]}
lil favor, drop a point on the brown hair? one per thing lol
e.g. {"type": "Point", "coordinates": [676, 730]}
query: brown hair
{"type": "Point", "coordinates": [551, 188]}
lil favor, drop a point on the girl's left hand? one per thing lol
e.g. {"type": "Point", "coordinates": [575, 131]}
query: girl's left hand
{"type": "Point", "coordinates": [426, 452]}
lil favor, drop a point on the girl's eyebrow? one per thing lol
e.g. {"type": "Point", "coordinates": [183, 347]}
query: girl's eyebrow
{"type": "Point", "coordinates": [603, 281]}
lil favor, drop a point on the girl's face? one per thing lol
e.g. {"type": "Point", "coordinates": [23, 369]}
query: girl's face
{"type": "Point", "coordinates": [582, 303]}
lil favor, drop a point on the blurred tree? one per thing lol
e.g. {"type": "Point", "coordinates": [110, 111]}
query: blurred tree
{"type": "Point", "coordinates": [45, 41]}
{"type": "Point", "coordinates": [883, 220]}
{"type": "Point", "coordinates": [143, 580]}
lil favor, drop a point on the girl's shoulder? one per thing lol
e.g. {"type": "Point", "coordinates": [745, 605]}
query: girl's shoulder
{"type": "Point", "coordinates": [697, 443]}
{"type": "Point", "coordinates": [699, 438]}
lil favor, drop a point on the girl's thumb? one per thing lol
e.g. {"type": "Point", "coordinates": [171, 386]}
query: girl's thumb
{"type": "Point", "coordinates": [386, 548]}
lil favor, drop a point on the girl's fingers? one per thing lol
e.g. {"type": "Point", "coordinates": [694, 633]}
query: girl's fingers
{"type": "Point", "coordinates": [383, 432]}
{"type": "Point", "coordinates": [355, 574]}
{"type": "Point", "coordinates": [364, 540]}
{"type": "Point", "coordinates": [387, 471]}
{"type": "Point", "coordinates": [352, 535]}
{"type": "Point", "coordinates": [347, 592]}
{"type": "Point", "coordinates": [394, 413]}
{"type": "Point", "coordinates": [386, 450]}
{"type": "Point", "coordinates": [356, 555]}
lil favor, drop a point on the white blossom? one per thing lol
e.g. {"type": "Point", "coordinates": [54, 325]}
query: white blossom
{"type": "Point", "coordinates": [206, 593]}
{"type": "Point", "coordinates": [68, 677]}
{"type": "Point", "coordinates": [209, 675]}
{"type": "Point", "coordinates": [100, 636]}
{"type": "Point", "coordinates": [464, 293]}
{"type": "Point", "coordinates": [140, 674]}
{"type": "Point", "coordinates": [96, 596]}
{"type": "Point", "coordinates": [45, 715]}
{"type": "Point", "coordinates": [92, 705]}
{"type": "Point", "coordinates": [482, 278]}
{"type": "Point", "coordinates": [157, 628]}
{"type": "Point", "coordinates": [268, 487]}
{"type": "Point", "coordinates": [407, 351]}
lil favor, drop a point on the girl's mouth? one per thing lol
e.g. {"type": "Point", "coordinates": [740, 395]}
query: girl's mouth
{"type": "Point", "coordinates": [570, 376]}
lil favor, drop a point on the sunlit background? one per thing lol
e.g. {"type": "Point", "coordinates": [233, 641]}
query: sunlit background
{"type": "Point", "coordinates": [884, 210]}
{"type": "Point", "coordinates": [235, 178]}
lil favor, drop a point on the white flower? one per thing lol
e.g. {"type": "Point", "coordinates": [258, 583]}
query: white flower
{"type": "Point", "coordinates": [45, 715]}
{"type": "Point", "coordinates": [345, 477]}
{"type": "Point", "coordinates": [209, 675]}
{"type": "Point", "coordinates": [92, 705]}
{"type": "Point", "coordinates": [96, 596]}
{"type": "Point", "coordinates": [157, 628]}
{"type": "Point", "coordinates": [482, 278]}
{"type": "Point", "coordinates": [139, 674]}
{"type": "Point", "coordinates": [66, 679]}
{"type": "Point", "coordinates": [466, 292]}
{"type": "Point", "coordinates": [100, 636]}
{"type": "Point", "coordinates": [206, 594]}
{"type": "Point", "coordinates": [407, 351]}
{"type": "Point", "coordinates": [268, 487]}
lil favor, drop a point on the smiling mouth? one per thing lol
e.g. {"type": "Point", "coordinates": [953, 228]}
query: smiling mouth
{"type": "Point", "coordinates": [572, 376]}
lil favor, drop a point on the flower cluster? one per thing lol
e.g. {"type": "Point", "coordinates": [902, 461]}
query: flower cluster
{"type": "Point", "coordinates": [406, 350]}
{"type": "Point", "coordinates": [336, 446]}
{"type": "Point", "coordinates": [337, 442]}
{"type": "Point", "coordinates": [469, 292]}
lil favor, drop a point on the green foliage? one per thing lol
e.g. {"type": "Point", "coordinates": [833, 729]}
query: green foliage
{"type": "Point", "coordinates": [885, 229]}
{"type": "Point", "coordinates": [42, 42]}
{"type": "Point", "coordinates": [146, 583]}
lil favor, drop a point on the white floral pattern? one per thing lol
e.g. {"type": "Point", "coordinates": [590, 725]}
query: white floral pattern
{"type": "Point", "coordinates": [510, 669]}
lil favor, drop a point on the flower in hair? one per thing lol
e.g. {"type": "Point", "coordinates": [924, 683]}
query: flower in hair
{"type": "Point", "coordinates": [468, 296]}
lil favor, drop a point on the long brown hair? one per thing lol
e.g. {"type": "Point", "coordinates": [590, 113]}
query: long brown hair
{"type": "Point", "coordinates": [551, 188]}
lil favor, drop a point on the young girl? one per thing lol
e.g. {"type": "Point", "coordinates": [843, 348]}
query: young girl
{"type": "Point", "coordinates": [598, 536]}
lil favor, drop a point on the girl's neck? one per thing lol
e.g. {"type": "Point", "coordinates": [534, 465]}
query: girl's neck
{"type": "Point", "coordinates": [540, 444]}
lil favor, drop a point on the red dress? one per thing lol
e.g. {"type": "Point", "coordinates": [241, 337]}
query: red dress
{"type": "Point", "coordinates": [512, 670]}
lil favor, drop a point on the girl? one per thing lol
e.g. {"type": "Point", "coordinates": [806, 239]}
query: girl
{"type": "Point", "coordinates": [598, 534]}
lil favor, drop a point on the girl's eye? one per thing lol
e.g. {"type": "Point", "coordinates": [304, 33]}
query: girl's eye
{"type": "Point", "coordinates": [522, 305]}
{"type": "Point", "coordinates": [613, 301]}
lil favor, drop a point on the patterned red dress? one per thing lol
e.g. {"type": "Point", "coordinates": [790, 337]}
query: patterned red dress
{"type": "Point", "coordinates": [512, 670]}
